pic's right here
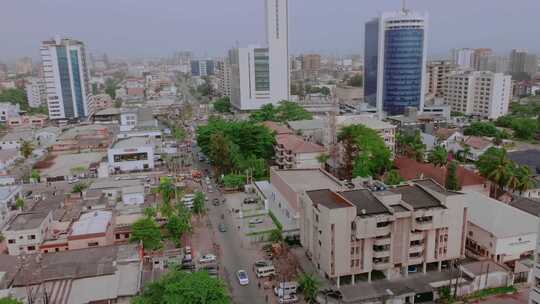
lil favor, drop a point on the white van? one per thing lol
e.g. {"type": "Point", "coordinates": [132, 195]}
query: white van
{"type": "Point", "coordinates": [265, 271]}
{"type": "Point", "coordinates": [285, 288]}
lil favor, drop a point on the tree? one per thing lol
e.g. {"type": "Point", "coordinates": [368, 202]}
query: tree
{"type": "Point", "coordinates": [79, 188]}
{"type": "Point", "coordinates": [167, 190]}
{"type": "Point", "coordinates": [149, 212]}
{"type": "Point", "coordinates": [2, 237]}
{"type": "Point", "coordinates": [184, 287]}
{"type": "Point", "coordinates": [323, 158]}
{"type": "Point", "coordinates": [110, 87]}
{"type": "Point", "coordinates": [525, 181]}
{"type": "Point", "coordinates": [356, 81]}
{"type": "Point", "coordinates": [325, 91]}
{"type": "Point", "coordinates": [309, 285]}
{"type": "Point", "coordinates": [411, 145]}
{"type": "Point", "coordinates": [234, 181]}
{"type": "Point", "coordinates": [275, 236]}
{"type": "Point", "coordinates": [198, 203]}
{"type": "Point", "coordinates": [524, 128]}
{"type": "Point", "coordinates": [9, 300]}
{"type": "Point", "coordinates": [220, 153]}
{"type": "Point", "coordinates": [365, 152]}
{"type": "Point", "coordinates": [393, 178]}
{"type": "Point", "coordinates": [285, 111]}
{"type": "Point", "coordinates": [223, 105]}
{"type": "Point", "coordinates": [482, 129]}
{"type": "Point", "coordinates": [19, 203]}
{"type": "Point", "coordinates": [34, 175]}
{"type": "Point", "coordinates": [451, 181]}
{"type": "Point", "coordinates": [146, 230]}
{"type": "Point", "coordinates": [15, 96]}
{"type": "Point", "coordinates": [26, 148]}
{"type": "Point", "coordinates": [495, 165]}
{"type": "Point", "coordinates": [438, 157]}
{"type": "Point", "coordinates": [178, 223]}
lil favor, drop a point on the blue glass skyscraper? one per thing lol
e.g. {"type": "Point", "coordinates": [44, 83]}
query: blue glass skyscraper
{"type": "Point", "coordinates": [395, 61]}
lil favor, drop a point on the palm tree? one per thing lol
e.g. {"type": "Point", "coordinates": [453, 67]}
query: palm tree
{"type": "Point", "coordinates": [26, 149]}
{"type": "Point", "coordinates": [19, 203]}
{"type": "Point", "coordinates": [525, 179]}
{"type": "Point", "coordinates": [463, 154]}
{"type": "Point", "coordinates": [275, 236]}
{"type": "Point", "coordinates": [309, 285]}
{"type": "Point", "coordinates": [79, 188]}
{"type": "Point", "coordinates": [501, 174]}
{"type": "Point", "coordinates": [323, 158]}
{"type": "Point", "coordinates": [438, 157]}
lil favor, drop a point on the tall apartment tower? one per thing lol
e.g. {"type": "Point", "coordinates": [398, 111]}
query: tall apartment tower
{"type": "Point", "coordinates": [395, 54]}
{"type": "Point", "coordinates": [462, 58]}
{"type": "Point", "coordinates": [437, 72]}
{"type": "Point", "coordinates": [66, 77]}
{"type": "Point", "coordinates": [481, 93]}
{"type": "Point", "coordinates": [260, 74]}
{"type": "Point", "coordinates": [523, 62]}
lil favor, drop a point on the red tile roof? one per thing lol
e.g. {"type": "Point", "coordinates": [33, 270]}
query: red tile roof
{"type": "Point", "coordinates": [477, 142]}
{"type": "Point", "coordinates": [411, 169]}
{"type": "Point", "coordinates": [277, 127]}
{"type": "Point", "coordinates": [297, 145]}
{"type": "Point", "coordinates": [444, 133]}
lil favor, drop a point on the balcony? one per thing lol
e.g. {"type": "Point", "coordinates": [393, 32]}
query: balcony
{"type": "Point", "coordinates": [382, 241]}
{"type": "Point", "coordinates": [416, 236]}
{"type": "Point", "coordinates": [416, 249]}
{"type": "Point", "coordinates": [381, 254]}
{"type": "Point", "coordinates": [424, 223]}
{"type": "Point", "coordinates": [381, 263]}
{"type": "Point", "coordinates": [416, 260]}
{"type": "Point", "coordinates": [383, 228]}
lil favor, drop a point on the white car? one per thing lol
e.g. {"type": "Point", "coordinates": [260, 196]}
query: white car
{"type": "Point", "coordinates": [242, 277]}
{"type": "Point", "coordinates": [207, 258]}
{"type": "Point", "coordinates": [256, 221]}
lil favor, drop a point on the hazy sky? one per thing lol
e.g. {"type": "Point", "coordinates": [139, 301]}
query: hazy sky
{"type": "Point", "coordinates": [129, 28]}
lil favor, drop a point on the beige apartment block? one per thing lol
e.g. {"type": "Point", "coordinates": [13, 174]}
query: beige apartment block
{"type": "Point", "coordinates": [350, 234]}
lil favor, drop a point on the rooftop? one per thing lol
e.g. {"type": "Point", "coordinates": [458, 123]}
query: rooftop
{"type": "Point", "coordinates": [27, 221]}
{"type": "Point", "coordinates": [298, 145]}
{"type": "Point", "coordinates": [91, 223]}
{"type": "Point", "coordinates": [17, 134]}
{"type": "Point", "coordinates": [366, 120]}
{"type": "Point", "coordinates": [311, 124]}
{"type": "Point", "coordinates": [477, 142]}
{"type": "Point", "coordinates": [366, 203]}
{"type": "Point", "coordinates": [108, 111]}
{"type": "Point", "coordinates": [277, 127]}
{"type": "Point", "coordinates": [528, 205]}
{"type": "Point", "coordinates": [115, 182]}
{"type": "Point", "coordinates": [7, 191]}
{"type": "Point", "coordinates": [328, 198]}
{"type": "Point", "coordinates": [410, 169]}
{"type": "Point", "coordinates": [417, 197]}
{"type": "Point", "coordinates": [479, 268]}
{"type": "Point", "coordinates": [131, 142]}
{"type": "Point", "coordinates": [529, 158]}
{"type": "Point", "coordinates": [8, 154]}
{"type": "Point", "coordinates": [493, 216]}
{"type": "Point", "coordinates": [308, 179]}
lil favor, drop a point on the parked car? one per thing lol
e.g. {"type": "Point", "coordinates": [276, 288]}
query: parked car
{"type": "Point", "coordinates": [211, 269]}
{"type": "Point", "coordinates": [187, 250]}
{"type": "Point", "coordinates": [290, 298]}
{"type": "Point", "coordinates": [250, 200]}
{"type": "Point", "coordinates": [242, 277]}
{"type": "Point", "coordinates": [207, 258]}
{"type": "Point", "coordinates": [256, 221]}
{"type": "Point", "coordinates": [262, 263]}
{"type": "Point", "coordinates": [215, 202]}
{"type": "Point", "coordinates": [222, 228]}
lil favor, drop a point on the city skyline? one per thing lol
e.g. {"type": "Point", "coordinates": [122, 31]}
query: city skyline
{"type": "Point", "coordinates": [151, 30]}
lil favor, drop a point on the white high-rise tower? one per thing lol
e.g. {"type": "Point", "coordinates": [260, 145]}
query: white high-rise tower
{"type": "Point", "coordinates": [260, 74]}
{"type": "Point", "coordinates": [277, 38]}
{"type": "Point", "coordinates": [66, 75]}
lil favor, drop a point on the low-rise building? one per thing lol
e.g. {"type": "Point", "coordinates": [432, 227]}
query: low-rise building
{"type": "Point", "coordinates": [93, 229]}
{"type": "Point", "coordinates": [8, 110]}
{"type": "Point", "coordinates": [476, 146]}
{"type": "Point", "coordinates": [385, 130]}
{"type": "Point", "coordinates": [531, 159]}
{"type": "Point", "coordinates": [131, 154]}
{"type": "Point", "coordinates": [8, 158]}
{"type": "Point", "coordinates": [8, 197]}
{"type": "Point", "coordinates": [313, 130]}
{"type": "Point", "coordinates": [293, 152]}
{"type": "Point", "coordinates": [489, 236]}
{"type": "Point", "coordinates": [349, 234]}
{"type": "Point", "coordinates": [26, 231]}
{"type": "Point", "coordinates": [99, 102]}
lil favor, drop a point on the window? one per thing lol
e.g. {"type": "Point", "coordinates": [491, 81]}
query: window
{"type": "Point", "coordinates": [31, 248]}
{"type": "Point", "coordinates": [12, 241]}
{"type": "Point", "coordinates": [93, 244]}
{"type": "Point", "coordinates": [32, 237]}
{"type": "Point", "coordinates": [56, 249]}
{"type": "Point", "coordinates": [118, 236]}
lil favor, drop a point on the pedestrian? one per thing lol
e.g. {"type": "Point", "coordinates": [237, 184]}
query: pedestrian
{"type": "Point", "coordinates": [259, 284]}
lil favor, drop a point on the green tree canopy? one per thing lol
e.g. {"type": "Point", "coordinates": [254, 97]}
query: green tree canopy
{"type": "Point", "coordinates": [356, 81]}
{"type": "Point", "coordinates": [184, 287]}
{"type": "Point", "coordinates": [15, 96]}
{"type": "Point", "coordinates": [198, 203]}
{"type": "Point", "coordinates": [285, 111]}
{"type": "Point", "coordinates": [482, 129]}
{"type": "Point", "coordinates": [223, 105]}
{"type": "Point", "coordinates": [110, 87]}
{"type": "Point", "coordinates": [438, 157]}
{"type": "Point", "coordinates": [26, 149]}
{"type": "Point", "coordinates": [9, 300]}
{"type": "Point", "coordinates": [411, 145]}
{"type": "Point", "coordinates": [178, 223]}
{"type": "Point", "coordinates": [393, 178]}
{"type": "Point", "coordinates": [367, 151]}
{"type": "Point", "coordinates": [147, 231]}
{"type": "Point", "coordinates": [451, 181]}
{"type": "Point", "coordinates": [79, 187]}
{"type": "Point", "coordinates": [234, 181]}
{"type": "Point", "coordinates": [309, 285]}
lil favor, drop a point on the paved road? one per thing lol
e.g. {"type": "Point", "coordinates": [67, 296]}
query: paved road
{"type": "Point", "coordinates": [235, 253]}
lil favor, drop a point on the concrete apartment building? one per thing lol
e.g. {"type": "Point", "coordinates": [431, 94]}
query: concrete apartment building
{"type": "Point", "coordinates": [521, 61]}
{"type": "Point", "coordinates": [26, 231]}
{"type": "Point", "coordinates": [534, 294]}
{"type": "Point", "coordinates": [93, 229]}
{"type": "Point", "coordinates": [437, 71]}
{"type": "Point", "coordinates": [485, 94]}
{"type": "Point", "coordinates": [293, 152]}
{"type": "Point", "coordinates": [349, 234]}
{"type": "Point", "coordinates": [311, 65]}
{"type": "Point", "coordinates": [36, 91]}
{"type": "Point", "coordinates": [8, 196]}
{"type": "Point", "coordinates": [223, 74]}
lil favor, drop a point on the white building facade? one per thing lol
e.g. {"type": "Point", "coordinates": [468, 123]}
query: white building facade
{"type": "Point", "coordinates": [66, 77]}
{"type": "Point", "coordinates": [36, 92]}
{"type": "Point", "coordinates": [131, 154]}
{"type": "Point", "coordinates": [484, 93]}
{"type": "Point", "coordinates": [260, 75]}
{"type": "Point", "coordinates": [463, 57]}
